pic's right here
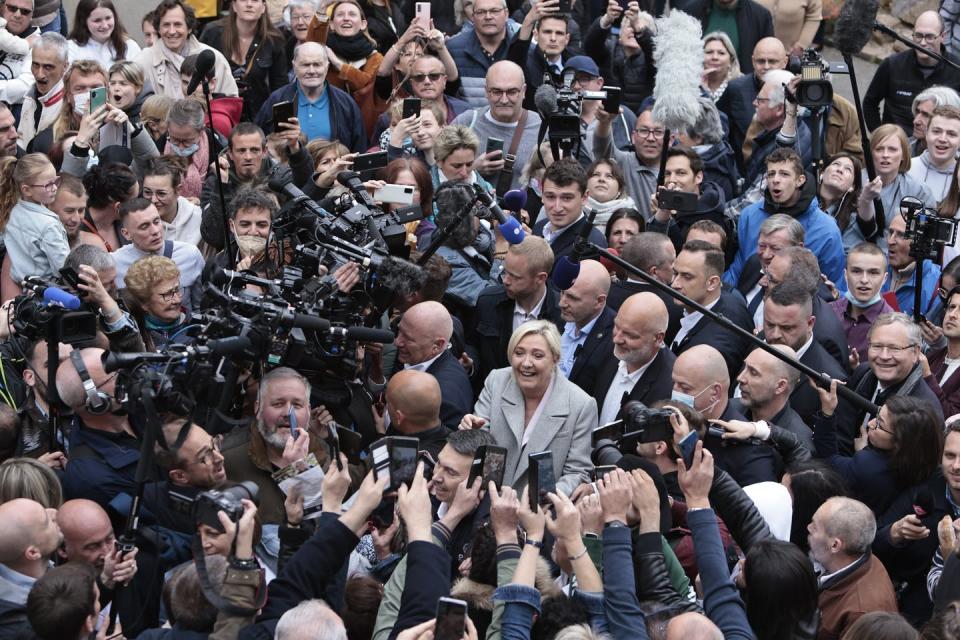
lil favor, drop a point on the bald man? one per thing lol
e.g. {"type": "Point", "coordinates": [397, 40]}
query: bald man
{"type": "Point", "coordinates": [422, 342]}
{"type": "Point", "coordinates": [701, 380]}
{"type": "Point", "coordinates": [642, 364]}
{"type": "Point", "coordinates": [587, 341]}
{"type": "Point", "coordinates": [692, 626]}
{"type": "Point", "coordinates": [737, 101]}
{"type": "Point", "coordinates": [765, 387]}
{"type": "Point", "coordinates": [29, 535]}
{"type": "Point", "coordinates": [88, 538]}
{"type": "Point", "coordinates": [413, 403]}
{"type": "Point", "coordinates": [499, 118]}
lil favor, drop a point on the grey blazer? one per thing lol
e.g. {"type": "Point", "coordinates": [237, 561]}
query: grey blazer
{"type": "Point", "coordinates": [563, 428]}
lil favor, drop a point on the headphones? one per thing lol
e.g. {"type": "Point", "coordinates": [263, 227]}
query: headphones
{"type": "Point", "coordinates": [97, 402]}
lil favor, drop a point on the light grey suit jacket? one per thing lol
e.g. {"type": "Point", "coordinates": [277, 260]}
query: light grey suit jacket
{"type": "Point", "coordinates": [563, 428]}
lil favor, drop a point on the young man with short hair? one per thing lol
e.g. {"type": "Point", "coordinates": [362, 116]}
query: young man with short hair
{"type": "Point", "coordinates": [935, 166]}
{"type": "Point", "coordinates": [564, 197]}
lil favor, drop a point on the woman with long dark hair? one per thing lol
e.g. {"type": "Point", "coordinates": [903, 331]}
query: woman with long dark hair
{"type": "Point", "coordinates": [839, 193]}
{"type": "Point", "coordinates": [782, 591]}
{"type": "Point", "coordinates": [254, 49]}
{"type": "Point", "coordinates": [99, 35]}
{"type": "Point", "coordinates": [810, 484]}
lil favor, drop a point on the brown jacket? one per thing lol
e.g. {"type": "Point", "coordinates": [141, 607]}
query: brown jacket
{"type": "Point", "coordinates": [843, 129]}
{"type": "Point", "coordinates": [843, 599]}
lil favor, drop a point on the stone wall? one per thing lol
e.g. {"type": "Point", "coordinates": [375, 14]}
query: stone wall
{"type": "Point", "coordinates": [900, 16]}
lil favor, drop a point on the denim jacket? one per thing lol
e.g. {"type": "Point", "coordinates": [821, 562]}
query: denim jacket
{"type": "Point", "coordinates": [36, 241]}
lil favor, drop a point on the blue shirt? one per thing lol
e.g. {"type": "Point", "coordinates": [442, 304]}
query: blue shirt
{"type": "Point", "coordinates": [570, 343]}
{"type": "Point", "coordinates": [905, 293]}
{"type": "Point", "coordinates": [314, 116]}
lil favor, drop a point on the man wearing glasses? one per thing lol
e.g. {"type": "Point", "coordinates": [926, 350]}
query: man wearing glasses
{"type": "Point", "coordinates": [476, 51]}
{"type": "Point", "coordinates": [901, 272]}
{"type": "Point", "coordinates": [902, 76]}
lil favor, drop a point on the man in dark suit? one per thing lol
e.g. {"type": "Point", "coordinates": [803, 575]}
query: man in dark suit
{"type": "Point", "coordinates": [564, 197]}
{"type": "Point", "coordinates": [737, 99]}
{"type": "Point", "coordinates": [586, 344]}
{"type": "Point", "coordinates": [788, 319]}
{"type": "Point", "coordinates": [654, 253]}
{"type": "Point", "coordinates": [524, 295]}
{"type": "Point", "coordinates": [697, 273]}
{"type": "Point", "coordinates": [765, 387]}
{"type": "Point", "coordinates": [641, 367]}
{"type": "Point", "coordinates": [413, 403]}
{"type": "Point", "coordinates": [700, 380]}
{"type": "Point", "coordinates": [893, 363]}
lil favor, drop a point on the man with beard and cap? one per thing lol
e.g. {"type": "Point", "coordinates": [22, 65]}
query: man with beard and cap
{"type": "Point", "coordinates": [29, 535]}
{"type": "Point", "coordinates": [788, 191]}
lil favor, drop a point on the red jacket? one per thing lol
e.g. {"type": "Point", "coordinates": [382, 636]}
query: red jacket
{"type": "Point", "coordinates": [866, 588]}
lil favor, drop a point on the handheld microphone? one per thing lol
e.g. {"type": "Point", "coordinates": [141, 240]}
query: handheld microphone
{"type": "Point", "coordinates": [854, 25]}
{"type": "Point", "coordinates": [509, 226]}
{"type": "Point", "coordinates": [56, 297]}
{"type": "Point", "coordinates": [923, 505]}
{"type": "Point", "coordinates": [515, 200]}
{"type": "Point", "coordinates": [566, 269]}
{"type": "Point", "coordinates": [206, 61]}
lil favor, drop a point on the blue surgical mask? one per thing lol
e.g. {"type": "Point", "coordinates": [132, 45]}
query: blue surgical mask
{"type": "Point", "coordinates": [688, 399]}
{"type": "Point", "coordinates": [185, 152]}
{"type": "Point", "coordinates": [861, 305]}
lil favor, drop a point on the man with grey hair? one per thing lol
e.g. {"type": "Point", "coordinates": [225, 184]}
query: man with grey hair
{"type": "Point", "coordinates": [706, 137]}
{"type": "Point", "coordinates": [654, 253]}
{"type": "Point", "coordinates": [902, 76]}
{"type": "Point", "coordinates": [323, 111]}
{"type": "Point", "coordinates": [852, 580]}
{"type": "Point", "coordinates": [310, 620]}
{"type": "Point", "coordinates": [922, 108]}
{"type": "Point", "coordinates": [15, 42]}
{"type": "Point", "coordinates": [775, 124]}
{"type": "Point", "coordinates": [892, 369]}
{"type": "Point", "coordinates": [476, 50]}
{"type": "Point", "coordinates": [41, 105]}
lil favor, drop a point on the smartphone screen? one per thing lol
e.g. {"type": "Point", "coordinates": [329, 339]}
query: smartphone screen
{"type": "Point", "coordinates": [403, 461]}
{"type": "Point", "coordinates": [451, 619]}
{"type": "Point", "coordinates": [547, 481]}
{"type": "Point", "coordinates": [688, 445]}
{"type": "Point", "coordinates": [494, 465]}
{"type": "Point", "coordinates": [494, 144]}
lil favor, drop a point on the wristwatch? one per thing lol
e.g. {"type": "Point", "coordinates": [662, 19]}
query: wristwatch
{"type": "Point", "coordinates": [615, 524]}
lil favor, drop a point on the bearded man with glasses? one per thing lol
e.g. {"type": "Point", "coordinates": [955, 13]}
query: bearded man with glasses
{"type": "Point", "coordinates": [902, 76]}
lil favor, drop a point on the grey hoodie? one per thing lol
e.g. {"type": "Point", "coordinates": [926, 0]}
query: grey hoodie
{"type": "Point", "coordinates": [937, 180]}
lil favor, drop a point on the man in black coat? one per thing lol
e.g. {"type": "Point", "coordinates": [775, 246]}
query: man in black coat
{"type": "Point", "coordinates": [697, 275]}
{"type": "Point", "coordinates": [524, 295]}
{"type": "Point", "coordinates": [641, 367]}
{"type": "Point", "coordinates": [753, 22]}
{"type": "Point", "coordinates": [564, 197]}
{"type": "Point", "coordinates": [413, 403]}
{"type": "Point", "coordinates": [653, 253]}
{"type": "Point", "coordinates": [586, 343]}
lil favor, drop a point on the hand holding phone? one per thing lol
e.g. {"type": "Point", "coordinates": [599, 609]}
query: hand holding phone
{"type": "Point", "coordinates": [687, 446]}
{"type": "Point", "coordinates": [292, 418]}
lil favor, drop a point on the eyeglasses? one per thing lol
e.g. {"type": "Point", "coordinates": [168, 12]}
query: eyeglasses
{"type": "Point", "coordinates": [759, 100]}
{"type": "Point", "coordinates": [482, 13]}
{"type": "Point", "coordinates": [496, 94]}
{"type": "Point", "coordinates": [879, 426]}
{"type": "Point", "coordinates": [172, 294]}
{"type": "Point", "coordinates": [181, 142]}
{"type": "Point", "coordinates": [206, 458]}
{"type": "Point", "coordinates": [925, 37]}
{"type": "Point", "coordinates": [645, 132]}
{"type": "Point", "coordinates": [150, 193]}
{"type": "Point", "coordinates": [49, 186]}
{"type": "Point", "coordinates": [432, 77]}
{"type": "Point", "coordinates": [892, 349]}
{"type": "Point", "coordinates": [763, 246]}
{"type": "Point", "coordinates": [21, 10]}
{"type": "Point", "coordinates": [893, 234]}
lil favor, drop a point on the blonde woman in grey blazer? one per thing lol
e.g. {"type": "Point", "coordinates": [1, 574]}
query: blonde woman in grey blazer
{"type": "Point", "coordinates": [531, 407]}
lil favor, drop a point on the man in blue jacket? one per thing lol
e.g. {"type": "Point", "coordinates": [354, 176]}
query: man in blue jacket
{"type": "Point", "coordinates": [475, 51]}
{"type": "Point", "coordinates": [788, 191]}
{"type": "Point", "coordinates": [323, 110]}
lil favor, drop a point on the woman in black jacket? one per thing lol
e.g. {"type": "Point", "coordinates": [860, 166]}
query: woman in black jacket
{"type": "Point", "coordinates": [254, 49]}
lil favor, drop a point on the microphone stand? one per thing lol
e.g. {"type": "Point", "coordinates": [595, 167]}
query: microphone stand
{"type": "Point", "coordinates": [882, 28]}
{"type": "Point", "coordinates": [211, 137]}
{"type": "Point", "coordinates": [584, 247]}
{"type": "Point", "coordinates": [865, 141]}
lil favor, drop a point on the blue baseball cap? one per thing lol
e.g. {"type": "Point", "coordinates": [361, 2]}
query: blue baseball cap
{"type": "Point", "coordinates": [582, 64]}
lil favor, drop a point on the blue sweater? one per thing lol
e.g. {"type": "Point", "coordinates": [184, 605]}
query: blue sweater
{"type": "Point", "coordinates": [625, 619]}
{"type": "Point", "coordinates": [928, 288]}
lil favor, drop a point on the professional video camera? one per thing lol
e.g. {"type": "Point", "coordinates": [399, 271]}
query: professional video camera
{"type": "Point", "coordinates": [814, 90]}
{"type": "Point", "coordinates": [926, 229]}
{"type": "Point", "coordinates": [44, 306]}
{"type": "Point", "coordinates": [562, 105]}
{"type": "Point", "coordinates": [640, 424]}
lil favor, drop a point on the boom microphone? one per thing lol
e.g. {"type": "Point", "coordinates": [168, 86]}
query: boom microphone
{"type": "Point", "coordinates": [206, 61]}
{"type": "Point", "coordinates": [854, 25]}
{"type": "Point", "coordinates": [566, 269]}
{"type": "Point", "coordinates": [509, 226]}
{"type": "Point", "coordinates": [678, 55]}
{"type": "Point", "coordinates": [400, 276]}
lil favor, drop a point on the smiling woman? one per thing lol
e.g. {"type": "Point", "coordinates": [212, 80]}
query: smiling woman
{"type": "Point", "coordinates": [99, 35]}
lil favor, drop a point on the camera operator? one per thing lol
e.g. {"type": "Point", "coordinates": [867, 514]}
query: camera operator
{"type": "Point", "coordinates": [105, 443]}
{"type": "Point", "coordinates": [684, 173]}
{"type": "Point", "coordinates": [774, 125]}
{"type": "Point", "coordinates": [34, 440]}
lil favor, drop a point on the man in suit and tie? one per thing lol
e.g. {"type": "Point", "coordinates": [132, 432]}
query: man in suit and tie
{"type": "Point", "coordinates": [654, 253]}
{"type": "Point", "coordinates": [586, 345]}
{"type": "Point", "coordinates": [564, 197]}
{"type": "Point", "coordinates": [788, 319]}
{"type": "Point", "coordinates": [642, 365]}
{"type": "Point", "coordinates": [697, 272]}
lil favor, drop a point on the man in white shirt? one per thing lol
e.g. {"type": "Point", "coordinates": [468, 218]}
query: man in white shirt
{"type": "Point", "coordinates": [585, 345]}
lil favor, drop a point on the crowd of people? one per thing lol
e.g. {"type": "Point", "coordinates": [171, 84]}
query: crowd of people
{"type": "Point", "coordinates": [744, 500]}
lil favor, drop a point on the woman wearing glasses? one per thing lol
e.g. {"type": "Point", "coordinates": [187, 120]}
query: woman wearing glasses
{"type": "Point", "coordinates": [35, 239]}
{"type": "Point", "coordinates": [153, 283]}
{"type": "Point", "coordinates": [901, 448]}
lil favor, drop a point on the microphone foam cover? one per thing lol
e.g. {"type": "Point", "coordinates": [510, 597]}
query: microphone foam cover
{"type": "Point", "coordinates": [515, 199]}
{"type": "Point", "coordinates": [60, 298]}
{"type": "Point", "coordinates": [565, 271]}
{"type": "Point", "coordinates": [855, 25]}
{"type": "Point", "coordinates": [512, 231]}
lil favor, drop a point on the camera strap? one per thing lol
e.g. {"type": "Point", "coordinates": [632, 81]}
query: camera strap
{"type": "Point", "coordinates": [211, 594]}
{"type": "Point", "coordinates": [505, 179]}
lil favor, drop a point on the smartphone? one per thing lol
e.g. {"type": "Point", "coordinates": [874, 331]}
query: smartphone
{"type": "Point", "coordinates": [395, 193]}
{"type": "Point", "coordinates": [349, 441]}
{"type": "Point", "coordinates": [369, 162]}
{"type": "Point", "coordinates": [565, 7]}
{"type": "Point", "coordinates": [334, 441]}
{"type": "Point", "coordinates": [602, 470]}
{"type": "Point", "coordinates": [282, 112]}
{"type": "Point", "coordinates": [494, 144]}
{"type": "Point", "coordinates": [488, 464]}
{"type": "Point", "coordinates": [680, 201]}
{"type": "Point", "coordinates": [422, 13]}
{"type": "Point", "coordinates": [611, 104]}
{"type": "Point", "coordinates": [380, 453]}
{"type": "Point", "coordinates": [610, 431]}
{"type": "Point", "coordinates": [688, 445]}
{"type": "Point", "coordinates": [451, 619]}
{"type": "Point", "coordinates": [72, 279]}
{"type": "Point", "coordinates": [411, 107]}
{"type": "Point", "coordinates": [292, 417]}
{"type": "Point", "coordinates": [403, 461]}
{"type": "Point", "coordinates": [540, 478]}
{"type": "Point", "coordinates": [98, 98]}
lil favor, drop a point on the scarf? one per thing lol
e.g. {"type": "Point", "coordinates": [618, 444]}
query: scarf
{"type": "Point", "coordinates": [175, 57]}
{"type": "Point", "coordinates": [605, 209]}
{"type": "Point", "coordinates": [192, 183]}
{"type": "Point", "coordinates": [350, 48]}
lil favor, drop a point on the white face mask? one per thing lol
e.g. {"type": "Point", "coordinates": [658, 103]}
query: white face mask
{"type": "Point", "coordinates": [251, 245]}
{"type": "Point", "coordinates": [80, 103]}
{"type": "Point", "coordinates": [688, 399]}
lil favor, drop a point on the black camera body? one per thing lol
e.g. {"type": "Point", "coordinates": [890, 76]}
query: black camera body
{"type": "Point", "coordinates": [814, 90]}
{"type": "Point", "coordinates": [640, 424]}
{"type": "Point", "coordinates": [204, 507]}
{"type": "Point", "coordinates": [679, 201]}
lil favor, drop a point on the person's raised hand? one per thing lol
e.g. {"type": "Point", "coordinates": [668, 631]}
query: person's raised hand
{"type": "Point", "coordinates": [908, 529]}
{"type": "Point", "coordinates": [566, 525]}
{"type": "Point", "coordinates": [646, 500]}
{"type": "Point", "coordinates": [382, 540]}
{"type": "Point", "coordinates": [591, 514]}
{"type": "Point", "coordinates": [614, 11]}
{"type": "Point", "coordinates": [931, 335]}
{"type": "Point", "coordinates": [532, 522]}
{"type": "Point", "coordinates": [90, 124]}
{"type": "Point", "coordinates": [697, 480]}
{"type": "Point", "coordinates": [293, 505]}
{"type": "Point", "coordinates": [54, 460]}
{"type": "Point", "coordinates": [320, 419]}
{"type": "Point", "coordinates": [347, 276]}
{"type": "Point", "coordinates": [489, 163]}
{"type": "Point", "coordinates": [422, 631]}
{"type": "Point", "coordinates": [736, 429]}
{"type": "Point", "coordinates": [828, 397]}
{"type": "Point", "coordinates": [404, 129]}
{"type": "Point", "coordinates": [88, 281]}
{"type": "Point", "coordinates": [413, 504]}
{"type": "Point", "coordinates": [853, 359]}
{"type": "Point", "coordinates": [290, 132]}
{"type": "Point", "coordinates": [336, 483]}
{"type": "Point", "coordinates": [871, 190]}
{"type": "Point", "coordinates": [616, 495]}
{"type": "Point", "coordinates": [295, 450]}
{"type": "Point", "coordinates": [470, 421]}
{"type": "Point", "coordinates": [367, 498]}
{"type": "Point", "coordinates": [504, 513]}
